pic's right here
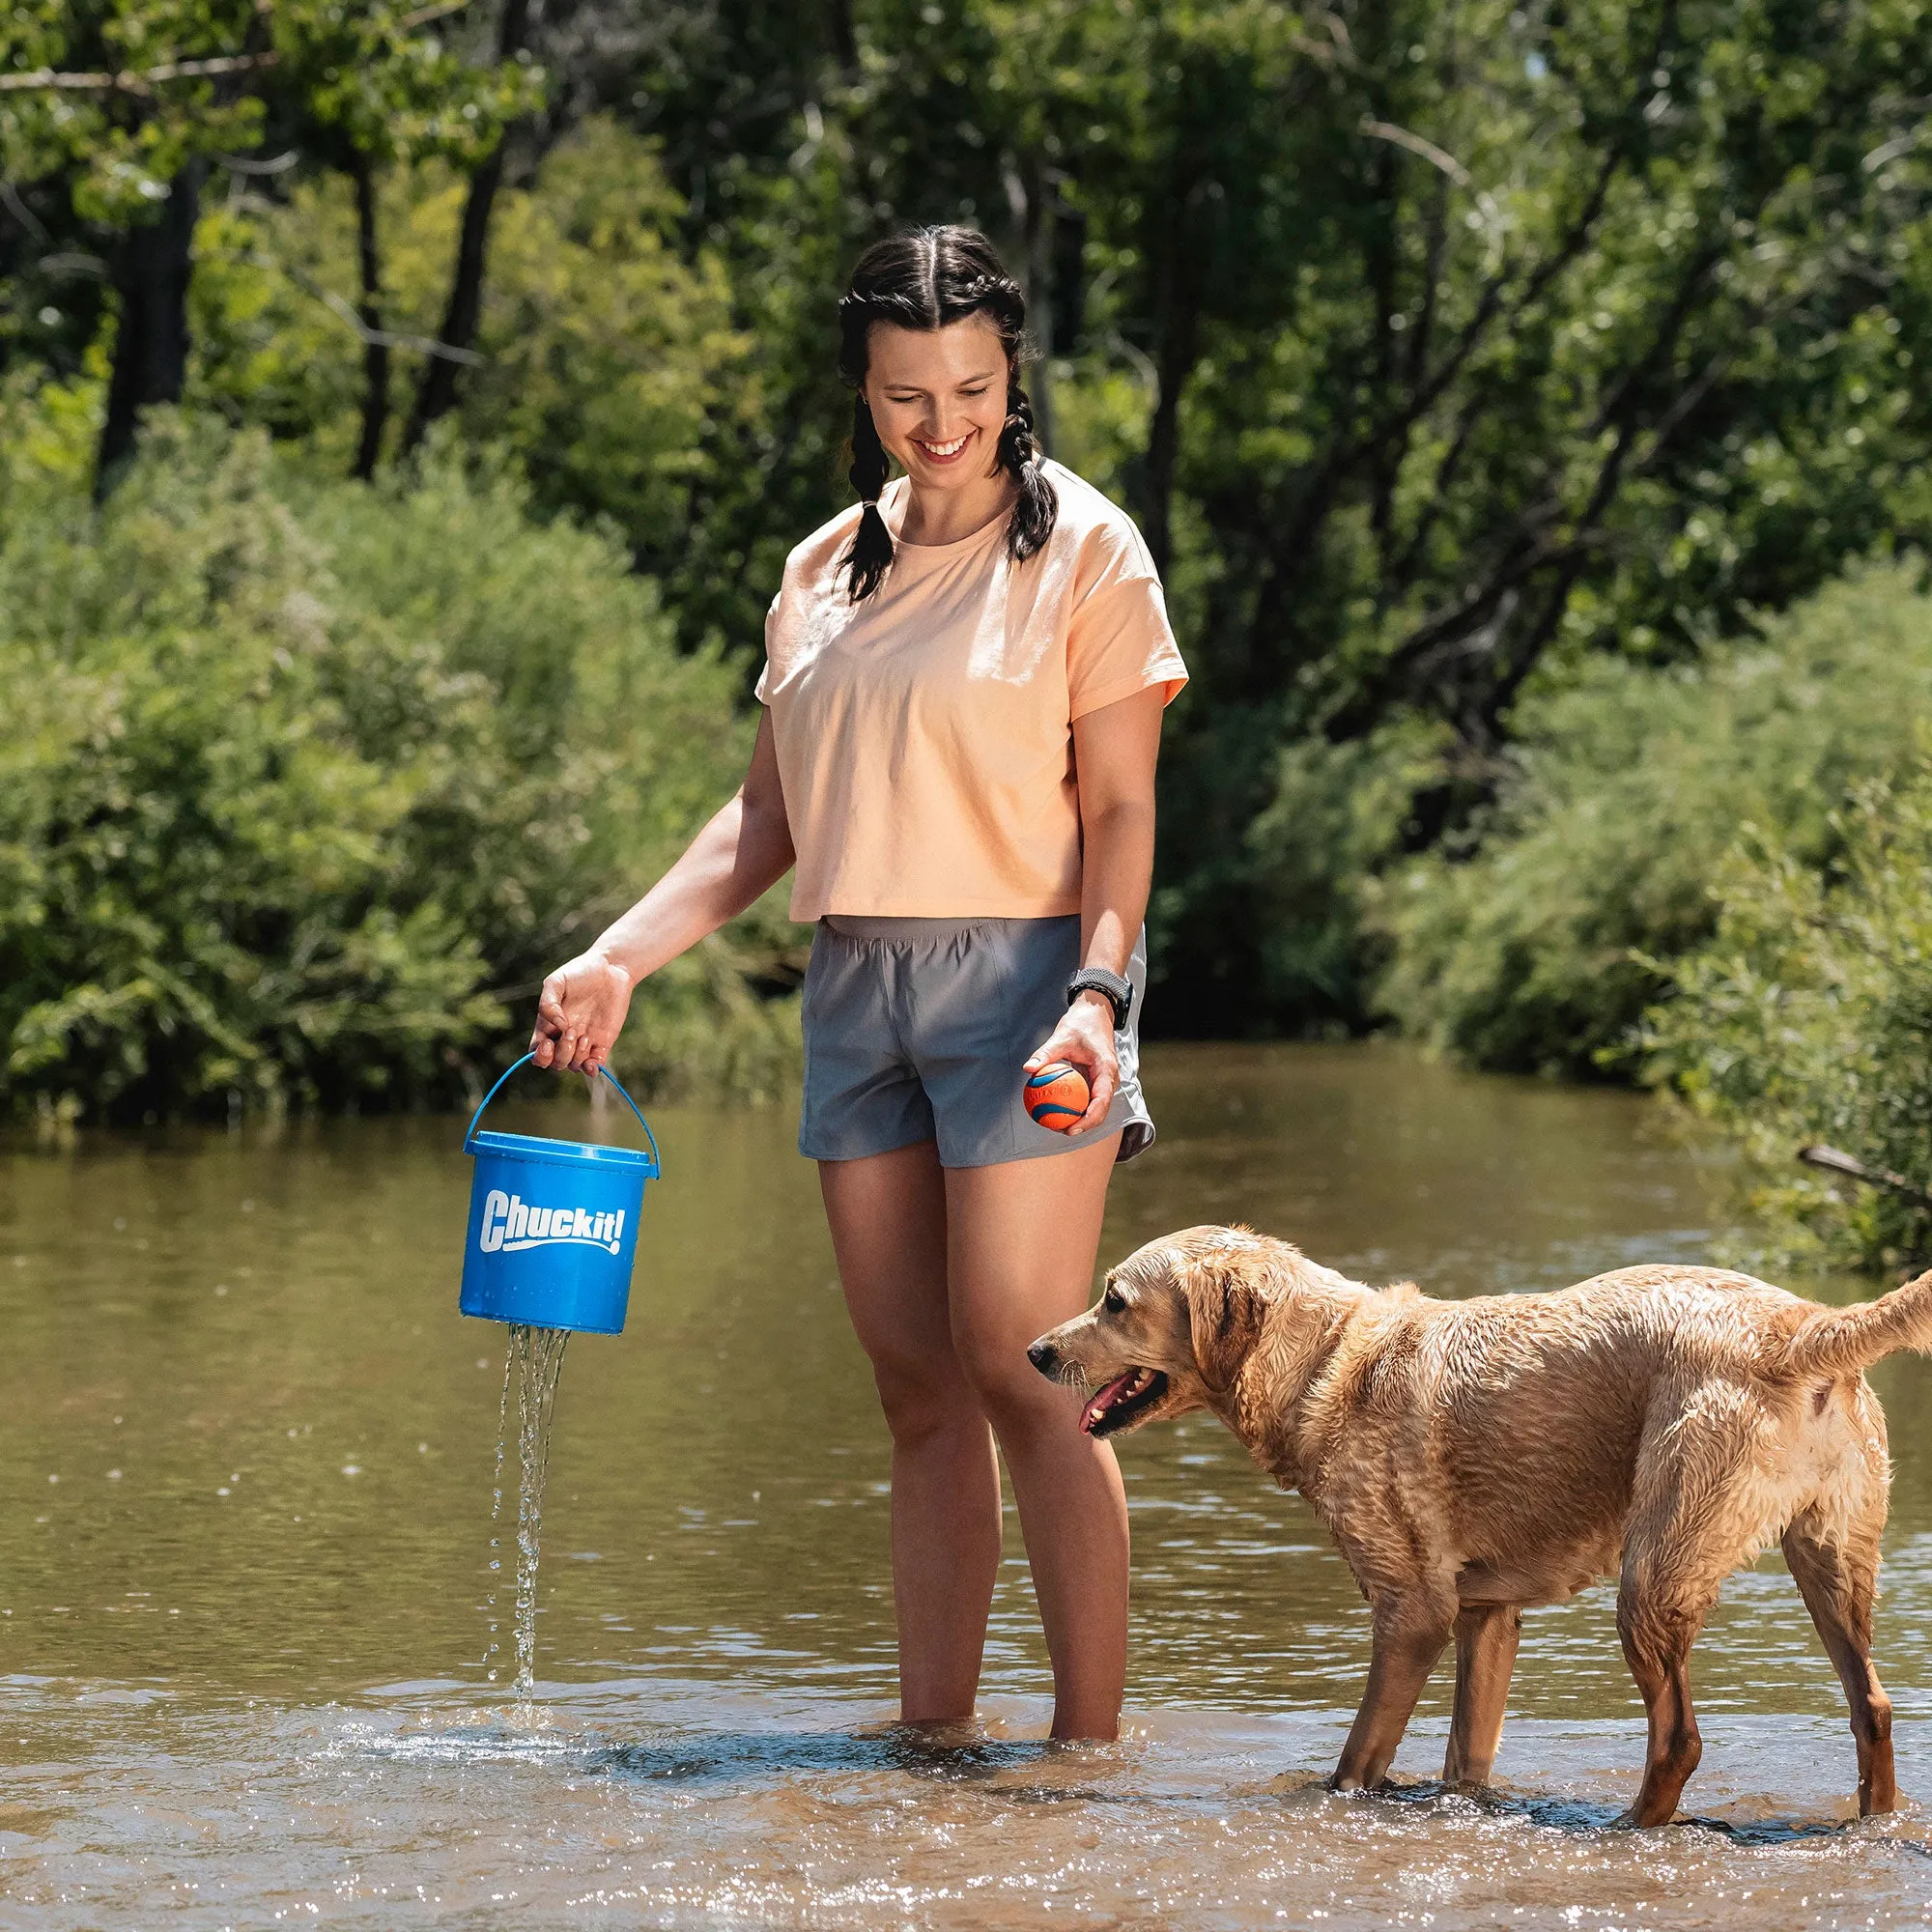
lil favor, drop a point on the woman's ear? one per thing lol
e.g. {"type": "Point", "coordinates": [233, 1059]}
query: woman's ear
{"type": "Point", "coordinates": [1225, 1311]}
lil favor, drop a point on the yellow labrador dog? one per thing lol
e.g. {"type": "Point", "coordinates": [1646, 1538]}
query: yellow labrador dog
{"type": "Point", "coordinates": [1664, 1425]}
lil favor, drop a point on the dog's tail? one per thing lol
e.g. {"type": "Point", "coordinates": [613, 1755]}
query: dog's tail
{"type": "Point", "coordinates": [1842, 1341]}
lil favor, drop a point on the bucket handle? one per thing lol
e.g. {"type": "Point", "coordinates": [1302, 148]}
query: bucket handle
{"type": "Point", "coordinates": [469, 1139]}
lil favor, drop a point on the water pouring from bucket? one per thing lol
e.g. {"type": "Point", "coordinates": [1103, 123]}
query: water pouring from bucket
{"type": "Point", "coordinates": [553, 1237]}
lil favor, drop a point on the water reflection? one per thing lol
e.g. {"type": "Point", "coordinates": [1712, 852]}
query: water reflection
{"type": "Point", "coordinates": [247, 1444]}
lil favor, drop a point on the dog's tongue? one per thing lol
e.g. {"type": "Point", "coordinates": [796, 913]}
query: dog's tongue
{"type": "Point", "coordinates": [1104, 1401]}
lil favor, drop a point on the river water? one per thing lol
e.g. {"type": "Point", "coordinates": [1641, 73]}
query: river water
{"type": "Point", "coordinates": [246, 1460]}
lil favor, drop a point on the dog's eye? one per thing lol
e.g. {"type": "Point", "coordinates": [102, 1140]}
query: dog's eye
{"type": "Point", "coordinates": [1112, 1301]}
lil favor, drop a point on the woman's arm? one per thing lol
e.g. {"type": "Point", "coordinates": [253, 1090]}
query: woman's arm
{"type": "Point", "coordinates": [1113, 753]}
{"type": "Point", "coordinates": [744, 850]}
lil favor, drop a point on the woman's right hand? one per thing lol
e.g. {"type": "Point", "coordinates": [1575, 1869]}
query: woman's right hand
{"type": "Point", "coordinates": [579, 1013]}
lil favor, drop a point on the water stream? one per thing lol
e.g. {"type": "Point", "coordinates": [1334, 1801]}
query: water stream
{"type": "Point", "coordinates": [242, 1431]}
{"type": "Point", "coordinates": [532, 1361]}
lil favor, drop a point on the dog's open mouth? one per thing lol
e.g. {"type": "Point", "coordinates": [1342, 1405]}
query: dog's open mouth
{"type": "Point", "coordinates": [1121, 1399]}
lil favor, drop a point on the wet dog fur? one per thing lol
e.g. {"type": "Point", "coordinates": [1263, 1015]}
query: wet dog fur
{"type": "Point", "coordinates": [1474, 1458]}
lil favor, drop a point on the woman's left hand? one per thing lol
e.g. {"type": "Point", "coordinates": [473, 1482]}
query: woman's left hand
{"type": "Point", "coordinates": [1085, 1039]}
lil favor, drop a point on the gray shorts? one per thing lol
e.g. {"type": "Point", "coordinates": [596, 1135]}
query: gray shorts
{"type": "Point", "coordinates": [918, 1028]}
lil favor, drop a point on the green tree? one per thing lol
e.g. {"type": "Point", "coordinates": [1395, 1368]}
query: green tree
{"type": "Point", "coordinates": [1541, 333]}
{"type": "Point", "coordinates": [602, 354]}
{"type": "Point", "coordinates": [125, 105]}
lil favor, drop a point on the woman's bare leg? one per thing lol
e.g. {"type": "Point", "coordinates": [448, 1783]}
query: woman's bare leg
{"type": "Point", "coordinates": [1022, 1239]}
{"type": "Point", "coordinates": [887, 1214]}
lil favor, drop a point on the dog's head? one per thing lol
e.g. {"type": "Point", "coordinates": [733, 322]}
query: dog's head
{"type": "Point", "coordinates": [1171, 1331]}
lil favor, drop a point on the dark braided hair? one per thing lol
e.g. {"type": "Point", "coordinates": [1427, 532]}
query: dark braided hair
{"type": "Point", "coordinates": [928, 278]}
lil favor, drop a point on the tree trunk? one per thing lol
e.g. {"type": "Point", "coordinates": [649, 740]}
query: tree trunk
{"type": "Point", "coordinates": [151, 269]}
{"type": "Point", "coordinates": [1174, 365]}
{"type": "Point", "coordinates": [375, 349]}
{"type": "Point", "coordinates": [435, 393]}
{"type": "Point", "coordinates": [1175, 290]}
{"type": "Point", "coordinates": [1036, 232]}
{"type": "Point", "coordinates": [844, 38]}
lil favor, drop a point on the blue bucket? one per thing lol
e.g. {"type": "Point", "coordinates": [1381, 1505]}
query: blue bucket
{"type": "Point", "coordinates": [552, 1225]}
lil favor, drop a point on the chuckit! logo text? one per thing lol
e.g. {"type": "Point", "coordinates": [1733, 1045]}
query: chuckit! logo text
{"type": "Point", "coordinates": [511, 1224]}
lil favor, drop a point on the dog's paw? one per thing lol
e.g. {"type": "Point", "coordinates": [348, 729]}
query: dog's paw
{"type": "Point", "coordinates": [1633, 1821]}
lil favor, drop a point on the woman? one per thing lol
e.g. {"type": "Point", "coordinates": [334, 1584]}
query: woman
{"type": "Point", "coordinates": [963, 689]}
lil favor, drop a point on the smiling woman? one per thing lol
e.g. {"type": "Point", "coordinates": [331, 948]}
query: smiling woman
{"type": "Point", "coordinates": [964, 681]}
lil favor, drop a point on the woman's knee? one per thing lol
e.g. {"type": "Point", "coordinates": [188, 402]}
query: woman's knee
{"type": "Point", "coordinates": [925, 1394]}
{"type": "Point", "coordinates": [1011, 1392]}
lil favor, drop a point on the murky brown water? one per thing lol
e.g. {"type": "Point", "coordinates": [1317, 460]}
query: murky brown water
{"type": "Point", "coordinates": [245, 1456]}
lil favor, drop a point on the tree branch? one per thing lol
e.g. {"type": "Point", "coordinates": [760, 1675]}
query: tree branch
{"type": "Point", "coordinates": [1438, 157]}
{"type": "Point", "coordinates": [47, 79]}
{"type": "Point", "coordinates": [344, 310]}
{"type": "Point", "coordinates": [1297, 542]}
{"type": "Point", "coordinates": [423, 15]}
{"type": "Point", "coordinates": [1622, 407]}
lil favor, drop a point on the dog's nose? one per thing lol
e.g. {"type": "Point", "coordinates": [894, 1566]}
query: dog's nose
{"type": "Point", "coordinates": [1042, 1355]}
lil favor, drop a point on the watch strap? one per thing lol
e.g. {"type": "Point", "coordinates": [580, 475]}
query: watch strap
{"type": "Point", "coordinates": [1119, 992]}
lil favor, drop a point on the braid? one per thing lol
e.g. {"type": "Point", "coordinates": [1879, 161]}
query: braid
{"type": "Point", "coordinates": [871, 553]}
{"type": "Point", "coordinates": [1037, 506]}
{"type": "Point", "coordinates": [928, 278]}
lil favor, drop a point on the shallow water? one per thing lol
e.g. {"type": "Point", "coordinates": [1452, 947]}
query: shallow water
{"type": "Point", "coordinates": [245, 1455]}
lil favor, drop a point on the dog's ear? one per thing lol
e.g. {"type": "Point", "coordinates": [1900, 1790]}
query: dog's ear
{"type": "Point", "coordinates": [1225, 1311]}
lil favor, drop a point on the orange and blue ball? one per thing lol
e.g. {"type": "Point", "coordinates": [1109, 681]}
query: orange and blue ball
{"type": "Point", "coordinates": [1057, 1095]}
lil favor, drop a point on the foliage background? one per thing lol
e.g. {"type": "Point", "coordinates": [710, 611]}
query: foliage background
{"type": "Point", "coordinates": [307, 784]}
{"type": "Point", "coordinates": [1490, 380]}
{"type": "Point", "coordinates": [1809, 1017]}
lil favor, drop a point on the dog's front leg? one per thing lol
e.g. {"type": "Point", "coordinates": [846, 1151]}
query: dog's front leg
{"type": "Point", "coordinates": [1411, 1635]}
{"type": "Point", "coordinates": [1485, 1642]}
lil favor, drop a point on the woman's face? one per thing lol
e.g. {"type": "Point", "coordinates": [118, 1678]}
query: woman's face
{"type": "Point", "coordinates": [938, 398]}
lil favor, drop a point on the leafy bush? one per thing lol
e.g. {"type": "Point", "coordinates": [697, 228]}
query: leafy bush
{"type": "Point", "coordinates": [1314, 855]}
{"type": "Point", "coordinates": [1808, 1018]}
{"type": "Point", "coordinates": [1535, 947]}
{"type": "Point", "coordinates": [304, 785]}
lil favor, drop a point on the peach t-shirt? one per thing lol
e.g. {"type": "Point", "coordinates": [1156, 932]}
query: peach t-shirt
{"type": "Point", "coordinates": [925, 735]}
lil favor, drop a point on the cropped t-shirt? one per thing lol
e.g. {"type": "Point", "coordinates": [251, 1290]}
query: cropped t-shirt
{"type": "Point", "coordinates": [925, 734]}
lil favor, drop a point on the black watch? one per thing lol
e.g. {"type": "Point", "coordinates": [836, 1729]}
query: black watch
{"type": "Point", "coordinates": [1098, 980]}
